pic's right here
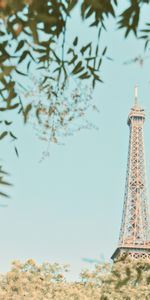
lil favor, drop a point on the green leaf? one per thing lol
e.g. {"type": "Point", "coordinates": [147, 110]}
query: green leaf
{"type": "Point", "coordinates": [23, 56]}
{"type": "Point", "coordinates": [6, 70]}
{"type": "Point", "coordinates": [145, 30]}
{"type": "Point", "coordinates": [26, 112]}
{"type": "Point", "coordinates": [70, 50]}
{"type": "Point", "coordinates": [28, 65]}
{"type": "Point", "coordinates": [75, 42]}
{"type": "Point", "coordinates": [4, 195]}
{"type": "Point", "coordinates": [104, 51]}
{"type": "Point", "coordinates": [8, 123]}
{"type": "Point", "coordinates": [4, 182]}
{"type": "Point", "coordinates": [71, 5]}
{"type": "Point", "coordinates": [20, 73]}
{"type": "Point", "coordinates": [85, 75]}
{"type": "Point", "coordinates": [83, 49]}
{"type": "Point", "coordinates": [146, 44]}
{"type": "Point", "coordinates": [89, 13]}
{"type": "Point", "coordinates": [3, 135]}
{"type": "Point", "coordinates": [2, 33]}
{"type": "Point", "coordinates": [77, 67]}
{"type": "Point", "coordinates": [13, 106]}
{"type": "Point", "coordinates": [3, 108]}
{"type": "Point", "coordinates": [99, 63]}
{"type": "Point", "coordinates": [3, 172]}
{"type": "Point", "coordinates": [20, 45]}
{"type": "Point", "coordinates": [12, 135]}
{"type": "Point", "coordinates": [16, 152]}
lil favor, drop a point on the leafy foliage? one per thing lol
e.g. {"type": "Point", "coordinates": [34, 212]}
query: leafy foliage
{"type": "Point", "coordinates": [34, 40]}
{"type": "Point", "coordinates": [130, 18]}
{"type": "Point", "coordinates": [127, 281]}
{"type": "Point", "coordinates": [33, 36]}
{"type": "Point", "coordinates": [3, 182]}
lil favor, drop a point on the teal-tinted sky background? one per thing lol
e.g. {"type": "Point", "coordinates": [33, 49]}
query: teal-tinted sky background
{"type": "Point", "coordinates": [70, 206]}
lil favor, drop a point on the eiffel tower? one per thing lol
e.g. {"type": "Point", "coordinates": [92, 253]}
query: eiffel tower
{"type": "Point", "coordinates": [134, 239]}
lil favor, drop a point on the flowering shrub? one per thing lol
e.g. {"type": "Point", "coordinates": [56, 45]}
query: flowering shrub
{"type": "Point", "coordinates": [122, 280]}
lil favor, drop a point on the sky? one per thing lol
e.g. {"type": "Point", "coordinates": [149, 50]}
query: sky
{"type": "Point", "coordinates": [69, 207]}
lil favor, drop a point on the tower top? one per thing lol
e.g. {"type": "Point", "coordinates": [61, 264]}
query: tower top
{"type": "Point", "coordinates": [136, 95]}
{"type": "Point", "coordinates": [136, 113]}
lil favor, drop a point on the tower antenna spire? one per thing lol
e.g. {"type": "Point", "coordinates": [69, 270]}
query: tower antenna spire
{"type": "Point", "coordinates": [136, 95]}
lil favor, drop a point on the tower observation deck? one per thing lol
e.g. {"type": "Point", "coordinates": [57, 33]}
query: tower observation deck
{"type": "Point", "coordinates": [134, 239]}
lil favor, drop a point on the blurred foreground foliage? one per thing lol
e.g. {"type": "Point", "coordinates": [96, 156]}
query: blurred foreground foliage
{"type": "Point", "coordinates": [128, 280]}
{"type": "Point", "coordinates": [3, 182]}
{"type": "Point", "coordinates": [34, 40]}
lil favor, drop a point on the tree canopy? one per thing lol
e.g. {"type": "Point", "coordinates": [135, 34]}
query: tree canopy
{"type": "Point", "coordinates": [126, 281]}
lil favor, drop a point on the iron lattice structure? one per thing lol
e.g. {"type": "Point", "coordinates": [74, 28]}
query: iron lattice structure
{"type": "Point", "coordinates": [134, 239]}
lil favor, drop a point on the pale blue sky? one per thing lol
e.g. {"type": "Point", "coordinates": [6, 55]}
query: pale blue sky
{"type": "Point", "coordinates": [70, 206]}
